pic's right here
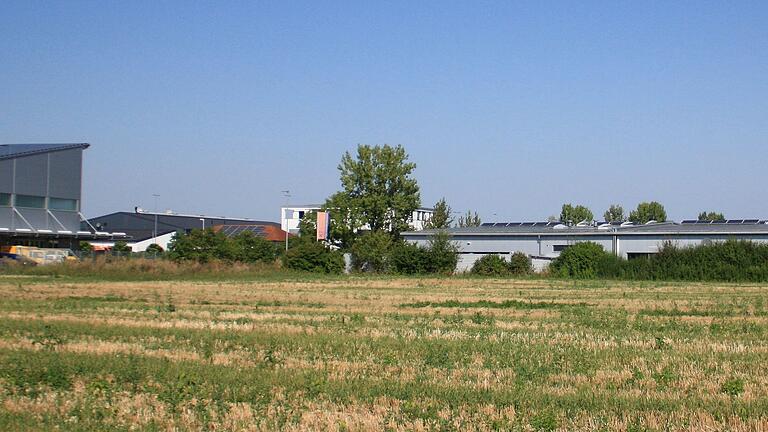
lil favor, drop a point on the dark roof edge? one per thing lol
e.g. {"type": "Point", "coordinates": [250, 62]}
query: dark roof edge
{"type": "Point", "coordinates": [61, 147]}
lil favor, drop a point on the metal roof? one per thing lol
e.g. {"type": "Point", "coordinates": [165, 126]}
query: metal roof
{"type": "Point", "coordinates": [521, 229]}
{"type": "Point", "coordinates": [10, 151]}
{"type": "Point", "coordinates": [141, 226]}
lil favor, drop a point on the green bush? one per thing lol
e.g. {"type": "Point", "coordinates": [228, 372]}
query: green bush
{"type": "Point", "coordinates": [309, 255]}
{"type": "Point", "coordinates": [154, 249]}
{"type": "Point", "coordinates": [442, 254]}
{"type": "Point", "coordinates": [495, 265]}
{"type": "Point", "coordinates": [732, 260]}
{"type": "Point", "coordinates": [202, 246]}
{"type": "Point", "coordinates": [250, 248]}
{"type": "Point", "coordinates": [581, 261]}
{"type": "Point", "coordinates": [121, 248]}
{"type": "Point", "coordinates": [207, 245]}
{"type": "Point", "coordinates": [439, 256]}
{"type": "Point", "coordinates": [370, 252]}
{"type": "Point", "coordinates": [491, 265]}
{"type": "Point", "coordinates": [520, 264]}
{"type": "Point", "coordinates": [408, 259]}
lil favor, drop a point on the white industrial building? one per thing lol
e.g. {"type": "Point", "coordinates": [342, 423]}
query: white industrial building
{"type": "Point", "coordinates": [291, 215]}
{"type": "Point", "coordinates": [543, 241]}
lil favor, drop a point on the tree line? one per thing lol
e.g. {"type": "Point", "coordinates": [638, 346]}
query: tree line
{"type": "Point", "coordinates": [378, 197]}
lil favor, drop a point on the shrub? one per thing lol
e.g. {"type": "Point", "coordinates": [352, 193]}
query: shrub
{"type": "Point", "coordinates": [154, 249]}
{"type": "Point", "coordinates": [201, 246]}
{"type": "Point", "coordinates": [121, 248]}
{"type": "Point", "coordinates": [442, 254]}
{"type": "Point", "coordinates": [313, 256]}
{"type": "Point", "coordinates": [370, 252]}
{"type": "Point", "coordinates": [491, 265]}
{"type": "Point", "coordinates": [250, 248]}
{"type": "Point", "coordinates": [581, 260]}
{"type": "Point", "coordinates": [86, 249]}
{"type": "Point", "coordinates": [520, 264]}
{"type": "Point", "coordinates": [408, 258]}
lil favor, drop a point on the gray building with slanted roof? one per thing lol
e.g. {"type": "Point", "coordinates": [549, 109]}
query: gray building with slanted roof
{"type": "Point", "coordinates": [40, 195]}
{"type": "Point", "coordinates": [543, 241]}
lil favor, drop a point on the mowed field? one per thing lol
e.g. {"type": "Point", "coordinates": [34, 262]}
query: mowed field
{"type": "Point", "coordinates": [382, 354]}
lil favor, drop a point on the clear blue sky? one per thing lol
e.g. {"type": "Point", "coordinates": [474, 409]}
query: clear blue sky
{"type": "Point", "coordinates": [508, 108]}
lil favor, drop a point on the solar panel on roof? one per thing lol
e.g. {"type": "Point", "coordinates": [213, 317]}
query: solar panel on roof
{"type": "Point", "coordinates": [487, 224]}
{"type": "Point", "coordinates": [751, 221]}
{"type": "Point", "coordinates": [689, 221]}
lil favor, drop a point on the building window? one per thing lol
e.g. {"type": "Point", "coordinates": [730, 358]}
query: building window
{"type": "Point", "coordinates": [30, 201]}
{"type": "Point", "coordinates": [301, 214]}
{"type": "Point", "coordinates": [560, 248]}
{"type": "Point", "coordinates": [62, 204]}
{"type": "Point", "coordinates": [5, 199]}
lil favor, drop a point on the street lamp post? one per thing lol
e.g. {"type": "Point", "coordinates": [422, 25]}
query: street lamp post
{"type": "Point", "coordinates": [154, 232]}
{"type": "Point", "coordinates": [287, 195]}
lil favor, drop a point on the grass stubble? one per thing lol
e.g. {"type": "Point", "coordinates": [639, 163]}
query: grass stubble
{"type": "Point", "coordinates": [382, 354]}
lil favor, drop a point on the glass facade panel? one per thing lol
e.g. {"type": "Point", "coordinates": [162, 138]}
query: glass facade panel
{"type": "Point", "coordinates": [5, 199]}
{"type": "Point", "coordinates": [62, 204]}
{"type": "Point", "coordinates": [30, 201]}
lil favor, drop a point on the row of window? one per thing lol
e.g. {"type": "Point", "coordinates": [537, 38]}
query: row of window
{"type": "Point", "coordinates": [423, 216]}
{"type": "Point", "coordinates": [39, 202]}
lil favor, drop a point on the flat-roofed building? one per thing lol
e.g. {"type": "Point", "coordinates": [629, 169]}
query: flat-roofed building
{"type": "Point", "coordinates": [543, 241]}
{"type": "Point", "coordinates": [291, 216]}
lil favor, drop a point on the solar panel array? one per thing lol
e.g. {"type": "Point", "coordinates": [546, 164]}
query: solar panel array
{"type": "Point", "coordinates": [727, 222]}
{"type": "Point", "coordinates": [519, 224]}
{"type": "Point", "coordinates": [233, 230]}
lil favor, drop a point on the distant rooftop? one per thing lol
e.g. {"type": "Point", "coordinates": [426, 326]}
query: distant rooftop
{"type": "Point", "coordinates": [732, 226]}
{"type": "Point", "coordinates": [10, 151]}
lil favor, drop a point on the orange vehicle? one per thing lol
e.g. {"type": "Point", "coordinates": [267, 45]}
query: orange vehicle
{"type": "Point", "coordinates": [40, 256]}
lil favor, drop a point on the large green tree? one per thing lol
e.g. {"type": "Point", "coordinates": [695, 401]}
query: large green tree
{"type": "Point", "coordinates": [572, 215]}
{"type": "Point", "coordinates": [615, 213]}
{"type": "Point", "coordinates": [711, 217]}
{"type": "Point", "coordinates": [441, 217]}
{"type": "Point", "coordinates": [378, 190]}
{"type": "Point", "coordinates": [648, 211]}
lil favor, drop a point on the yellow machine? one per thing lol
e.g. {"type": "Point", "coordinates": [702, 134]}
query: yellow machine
{"type": "Point", "coordinates": [40, 256]}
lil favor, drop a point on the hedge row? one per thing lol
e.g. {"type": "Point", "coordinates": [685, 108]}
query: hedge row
{"type": "Point", "coordinates": [732, 260]}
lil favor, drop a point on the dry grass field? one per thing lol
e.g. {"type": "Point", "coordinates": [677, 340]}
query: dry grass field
{"type": "Point", "coordinates": [352, 354]}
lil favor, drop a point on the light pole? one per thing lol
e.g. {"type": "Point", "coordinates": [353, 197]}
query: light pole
{"type": "Point", "coordinates": [154, 232]}
{"type": "Point", "coordinates": [203, 221]}
{"type": "Point", "coordinates": [287, 195]}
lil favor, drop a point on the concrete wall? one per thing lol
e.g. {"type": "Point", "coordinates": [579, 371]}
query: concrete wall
{"type": "Point", "coordinates": [51, 175]}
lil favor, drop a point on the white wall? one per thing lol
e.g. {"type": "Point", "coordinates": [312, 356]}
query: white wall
{"type": "Point", "coordinates": [163, 241]}
{"type": "Point", "coordinates": [289, 217]}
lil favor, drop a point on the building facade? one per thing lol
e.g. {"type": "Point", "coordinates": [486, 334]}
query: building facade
{"type": "Point", "coordinates": [544, 241]}
{"type": "Point", "coordinates": [40, 195]}
{"type": "Point", "coordinates": [291, 216]}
